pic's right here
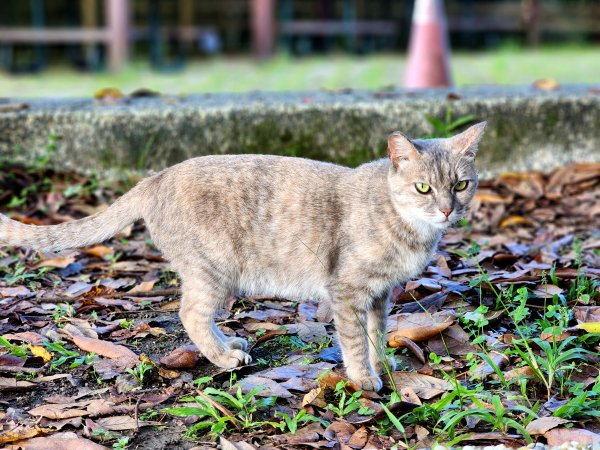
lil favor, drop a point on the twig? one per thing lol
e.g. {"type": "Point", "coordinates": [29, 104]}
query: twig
{"type": "Point", "coordinates": [155, 293]}
{"type": "Point", "coordinates": [136, 412]}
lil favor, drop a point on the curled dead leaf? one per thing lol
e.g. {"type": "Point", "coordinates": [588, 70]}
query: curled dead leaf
{"type": "Point", "coordinates": [419, 327]}
{"type": "Point", "coordinates": [486, 368]}
{"type": "Point", "coordinates": [515, 220]}
{"type": "Point", "coordinates": [412, 346]}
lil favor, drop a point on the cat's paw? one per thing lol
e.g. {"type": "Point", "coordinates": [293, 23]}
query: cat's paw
{"type": "Point", "coordinates": [233, 358]}
{"type": "Point", "coordinates": [370, 383]}
{"type": "Point", "coordinates": [237, 343]}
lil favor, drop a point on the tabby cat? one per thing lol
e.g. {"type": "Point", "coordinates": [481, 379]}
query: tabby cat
{"type": "Point", "coordinates": [291, 228]}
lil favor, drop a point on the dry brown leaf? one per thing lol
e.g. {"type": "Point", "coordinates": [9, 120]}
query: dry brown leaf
{"type": "Point", "coordinates": [585, 314]}
{"type": "Point", "coordinates": [515, 220]}
{"type": "Point", "coordinates": [409, 395]}
{"type": "Point", "coordinates": [359, 439]}
{"type": "Point", "coordinates": [559, 436]}
{"type": "Point", "coordinates": [99, 251]}
{"type": "Point", "coordinates": [521, 372]}
{"type": "Point", "coordinates": [424, 386]}
{"type": "Point", "coordinates": [122, 423]}
{"type": "Point", "coordinates": [104, 348]}
{"type": "Point", "coordinates": [58, 441]}
{"type": "Point", "coordinates": [21, 432]}
{"type": "Point", "coordinates": [144, 286]}
{"type": "Point", "coordinates": [12, 384]}
{"type": "Point", "coordinates": [315, 397]}
{"type": "Point", "coordinates": [419, 327]}
{"type": "Point", "coordinates": [269, 387]}
{"type": "Point", "coordinates": [60, 410]}
{"type": "Point", "coordinates": [185, 357]}
{"type": "Point", "coordinates": [484, 368]}
{"type": "Point", "coordinates": [61, 262]}
{"type": "Point", "coordinates": [413, 347]}
{"type": "Point", "coordinates": [540, 426]}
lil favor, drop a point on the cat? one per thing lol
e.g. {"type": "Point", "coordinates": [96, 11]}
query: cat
{"type": "Point", "coordinates": [291, 228]}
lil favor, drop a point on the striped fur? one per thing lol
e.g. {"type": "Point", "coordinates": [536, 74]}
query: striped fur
{"type": "Point", "coordinates": [291, 228]}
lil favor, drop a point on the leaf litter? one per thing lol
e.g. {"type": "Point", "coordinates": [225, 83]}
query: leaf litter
{"type": "Point", "coordinates": [92, 353]}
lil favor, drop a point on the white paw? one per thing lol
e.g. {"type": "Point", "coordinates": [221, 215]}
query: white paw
{"type": "Point", "coordinates": [233, 358]}
{"type": "Point", "coordinates": [237, 343]}
{"type": "Point", "coordinates": [371, 383]}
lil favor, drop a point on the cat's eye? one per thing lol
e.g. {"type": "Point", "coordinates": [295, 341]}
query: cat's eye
{"type": "Point", "coordinates": [423, 188]}
{"type": "Point", "coordinates": [461, 185]}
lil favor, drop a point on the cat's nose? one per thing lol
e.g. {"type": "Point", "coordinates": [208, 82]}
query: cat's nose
{"type": "Point", "coordinates": [447, 211]}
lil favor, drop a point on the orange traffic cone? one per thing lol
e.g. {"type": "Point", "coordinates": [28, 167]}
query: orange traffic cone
{"type": "Point", "coordinates": [428, 53]}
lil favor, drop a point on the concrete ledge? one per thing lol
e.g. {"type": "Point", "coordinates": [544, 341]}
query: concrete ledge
{"type": "Point", "coordinates": [528, 128]}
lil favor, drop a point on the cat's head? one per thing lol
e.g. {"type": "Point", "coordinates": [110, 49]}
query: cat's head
{"type": "Point", "coordinates": [432, 181]}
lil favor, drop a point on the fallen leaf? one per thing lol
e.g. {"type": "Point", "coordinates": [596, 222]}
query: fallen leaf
{"type": "Point", "coordinates": [359, 439]}
{"type": "Point", "coordinates": [269, 387]}
{"type": "Point", "coordinates": [60, 262]}
{"type": "Point", "coordinates": [185, 357]}
{"type": "Point", "coordinates": [590, 327]}
{"type": "Point", "coordinates": [99, 251]}
{"type": "Point", "coordinates": [20, 433]}
{"type": "Point", "coordinates": [419, 327]}
{"type": "Point", "coordinates": [58, 441]}
{"type": "Point", "coordinates": [515, 220]}
{"type": "Point", "coordinates": [560, 436]}
{"type": "Point", "coordinates": [315, 397]}
{"type": "Point", "coordinates": [540, 426]}
{"type": "Point", "coordinates": [40, 351]}
{"type": "Point", "coordinates": [104, 348]}
{"type": "Point", "coordinates": [585, 314]}
{"type": "Point", "coordinates": [122, 423]}
{"type": "Point", "coordinates": [424, 386]}
{"type": "Point", "coordinates": [12, 384]}
{"type": "Point", "coordinates": [60, 411]}
{"type": "Point", "coordinates": [485, 368]}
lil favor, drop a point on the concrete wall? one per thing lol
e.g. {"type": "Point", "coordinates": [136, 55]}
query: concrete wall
{"type": "Point", "coordinates": [528, 128]}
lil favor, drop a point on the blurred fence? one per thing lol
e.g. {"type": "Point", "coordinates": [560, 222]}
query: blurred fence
{"type": "Point", "coordinates": [94, 34]}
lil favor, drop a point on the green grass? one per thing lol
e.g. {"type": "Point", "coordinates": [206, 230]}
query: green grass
{"type": "Point", "coordinates": [507, 65]}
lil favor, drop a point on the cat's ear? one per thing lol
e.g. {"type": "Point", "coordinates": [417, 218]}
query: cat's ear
{"type": "Point", "coordinates": [466, 142]}
{"type": "Point", "coordinates": [400, 148]}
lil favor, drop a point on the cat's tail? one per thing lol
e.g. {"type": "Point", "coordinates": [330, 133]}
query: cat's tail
{"type": "Point", "coordinates": [78, 233]}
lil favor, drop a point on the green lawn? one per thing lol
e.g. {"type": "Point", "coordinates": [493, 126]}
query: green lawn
{"type": "Point", "coordinates": [238, 74]}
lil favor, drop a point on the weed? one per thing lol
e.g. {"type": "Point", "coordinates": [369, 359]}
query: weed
{"type": "Point", "coordinates": [301, 417]}
{"type": "Point", "coordinates": [348, 403]}
{"type": "Point", "coordinates": [243, 408]}
{"type": "Point", "coordinates": [140, 370]}
{"type": "Point", "coordinates": [15, 350]}
{"type": "Point", "coordinates": [447, 127]}
{"type": "Point", "coordinates": [67, 355]}
{"type": "Point", "coordinates": [62, 312]}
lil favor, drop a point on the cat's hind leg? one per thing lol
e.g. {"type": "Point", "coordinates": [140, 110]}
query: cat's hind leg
{"type": "Point", "coordinates": [200, 303]}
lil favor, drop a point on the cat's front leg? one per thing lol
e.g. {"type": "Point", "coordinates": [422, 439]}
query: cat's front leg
{"type": "Point", "coordinates": [377, 326]}
{"type": "Point", "coordinates": [350, 316]}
